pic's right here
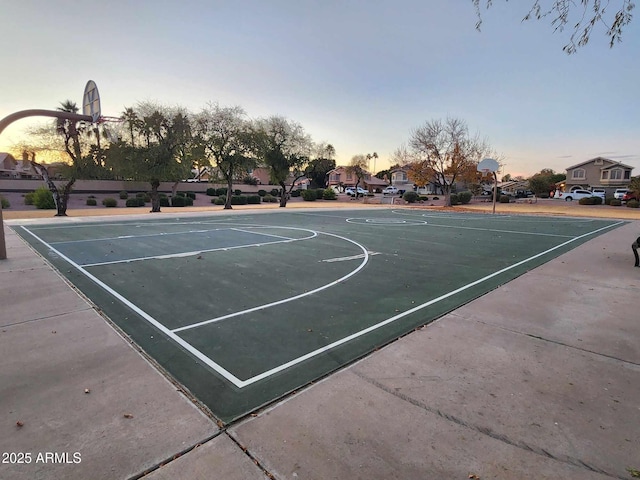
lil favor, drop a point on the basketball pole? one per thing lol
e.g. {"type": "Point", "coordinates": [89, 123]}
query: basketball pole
{"type": "Point", "coordinates": [495, 191]}
{"type": "Point", "coordinates": [3, 246]}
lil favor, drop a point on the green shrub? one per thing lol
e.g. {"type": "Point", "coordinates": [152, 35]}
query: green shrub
{"type": "Point", "coordinates": [249, 180]}
{"type": "Point", "coordinates": [295, 193]}
{"type": "Point", "coordinates": [238, 199]}
{"type": "Point", "coordinates": [410, 197]}
{"type": "Point", "coordinates": [268, 198]}
{"type": "Point", "coordinates": [465, 197]}
{"type": "Point", "coordinates": [28, 198]}
{"type": "Point", "coordinates": [423, 198]}
{"type": "Point", "coordinates": [191, 195]}
{"type": "Point", "coordinates": [275, 192]}
{"type": "Point", "coordinates": [504, 199]}
{"type": "Point", "coordinates": [164, 201]}
{"type": "Point", "coordinates": [178, 201]}
{"type": "Point", "coordinates": [329, 194]}
{"type": "Point", "coordinates": [436, 198]}
{"type": "Point", "coordinates": [254, 200]}
{"type": "Point", "coordinates": [614, 202]}
{"type": "Point", "coordinates": [92, 202]}
{"type": "Point", "coordinates": [587, 201]}
{"type": "Point", "coordinates": [308, 195]}
{"type": "Point", "coordinates": [454, 199]}
{"type": "Point", "coordinates": [319, 193]}
{"type": "Point", "coordinates": [135, 202]}
{"type": "Point", "coordinates": [43, 199]}
{"type": "Point", "coordinates": [597, 200]}
{"type": "Point", "coordinates": [144, 195]}
{"type": "Point", "coordinates": [262, 193]}
{"type": "Point", "coordinates": [181, 194]}
{"type": "Point", "coordinates": [4, 202]}
{"type": "Point", "coordinates": [607, 200]}
{"type": "Point", "coordinates": [110, 202]}
{"type": "Point", "coordinates": [633, 203]}
{"type": "Point", "coordinates": [211, 192]}
{"type": "Point", "coordinates": [124, 195]}
{"type": "Point", "coordinates": [237, 192]}
{"type": "Point", "coordinates": [221, 192]}
{"type": "Point", "coordinates": [218, 201]}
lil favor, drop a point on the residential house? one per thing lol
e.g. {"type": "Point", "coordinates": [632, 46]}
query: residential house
{"type": "Point", "coordinates": [598, 172]}
{"type": "Point", "coordinates": [340, 177]}
{"type": "Point", "coordinates": [12, 168]}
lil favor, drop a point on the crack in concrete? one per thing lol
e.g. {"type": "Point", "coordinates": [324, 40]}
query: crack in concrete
{"type": "Point", "coordinates": [488, 431]}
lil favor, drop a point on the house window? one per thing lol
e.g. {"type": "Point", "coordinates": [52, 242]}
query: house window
{"type": "Point", "coordinates": [399, 177]}
{"type": "Point", "coordinates": [349, 177]}
{"type": "Point", "coordinates": [616, 174]}
{"type": "Point", "coordinates": [578, 173]}
{"type": "Point", "coordinates": [598, 161]}
{"type": "Point", "coordinates": [605, 175]}
{"type": "Point", "coordinates": [627, 174]}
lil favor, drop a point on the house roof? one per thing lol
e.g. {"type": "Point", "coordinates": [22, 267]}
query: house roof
{"type": "Point", "coordinates": [611, 162]}
{"type": "Point", "coordinates": [376, 181]}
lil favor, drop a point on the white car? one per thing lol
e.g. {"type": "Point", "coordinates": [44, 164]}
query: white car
{"type": "Point", "coordinates": [352, 191]}
{"type": "Point", "coordinates": [619, 193]}
{"type": "Point", "coordinates": [578, 194]}
{"type": "Point", "coordinates": [390, 190]}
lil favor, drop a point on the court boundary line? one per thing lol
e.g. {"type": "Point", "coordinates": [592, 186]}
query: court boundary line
{"type": "Point", "coordinates": [179, 340]}
{"type": "Point", "coordinates": [208, 250]}
{"type": "Point", "coordinates": [243, 383]}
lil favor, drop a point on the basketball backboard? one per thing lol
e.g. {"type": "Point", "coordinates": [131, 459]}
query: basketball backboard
{"type": "Point", "coordinates": [488, 165]}
{"type": "Point", "coordinates": [91, 101]}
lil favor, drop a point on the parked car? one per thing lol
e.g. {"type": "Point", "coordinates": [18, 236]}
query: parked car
{"type": "Point", "coordinates": [620, 192]}
{"type": "Point", "coordinates": [360, 192]}
{"type": "Point", "coordinates": [630, 196]}
{"type": "Point", "coordinates": [599, 192]}
{"type": "Point", "coordinates": [523, 194]}
{"type": "Point", "coordinates": [578, 194]}
{"type": "Point", "coordinates": [390, 190]}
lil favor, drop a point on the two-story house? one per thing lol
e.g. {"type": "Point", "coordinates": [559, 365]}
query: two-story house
{"type": "Point", "coordinates": [598, 172]}
{"type": "Point", "coordinates": [341, 177]}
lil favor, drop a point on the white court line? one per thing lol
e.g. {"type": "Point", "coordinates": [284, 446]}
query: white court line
{"type": "Point", "coordinates": [123, 237]}
{"type": "Point", "coordinates": [243, 383]}
{"type": "Point", "coordinates": [365, 257]}
{"type": "Point", "coordinates": [490, 229]}
{"type": "Point", "coordinates": [198, 252]}
{"type": "Point", "coordinates": [184, 344]}
{"type": "Point", "coordinates": [345, 259]}
{"type": "Point", "coordinates": [265, 234]}
{"type": "Point", "coordinates": [344, 340]}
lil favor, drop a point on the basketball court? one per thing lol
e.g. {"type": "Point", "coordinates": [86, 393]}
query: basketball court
{"type": "Point", "coordinates": [243, 308]}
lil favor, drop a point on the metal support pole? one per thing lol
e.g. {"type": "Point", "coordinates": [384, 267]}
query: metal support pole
{"type": "Point", "coordinates": [8, 120]}
{"type": "Point", "coordinates": [3, 247]}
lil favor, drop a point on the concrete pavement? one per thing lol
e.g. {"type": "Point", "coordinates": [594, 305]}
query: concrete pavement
{"type": "Point", "coordinates": [538, 379]}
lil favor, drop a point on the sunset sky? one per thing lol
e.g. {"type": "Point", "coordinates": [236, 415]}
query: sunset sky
{"type": "Point", "coordinates": [357, 74]}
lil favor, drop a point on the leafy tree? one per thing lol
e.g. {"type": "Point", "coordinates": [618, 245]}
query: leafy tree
{"type": "Point", "coordinates": [284, 146]}
{"type": "Point", "coordinates": [319, 166]}
{"type": "Point", "coordinates": [224, 135]}
{"type": "Point", "coordinates": [545, 181]}
{"type": "Point", "coordinates": [164, 155]}
{"type": "Point", "coordinates": [634, 185]}
{"type": "Point", "coordinates": [445, 152]}
{"type": "Point", "coordinates": [587, 14]}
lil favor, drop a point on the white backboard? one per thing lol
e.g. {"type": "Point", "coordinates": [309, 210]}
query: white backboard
{"type": "Point", "coordinates": [91, 101]}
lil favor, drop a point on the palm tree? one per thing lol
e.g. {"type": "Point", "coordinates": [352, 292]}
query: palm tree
{"type": "Point", "coordinates": [70, 131]}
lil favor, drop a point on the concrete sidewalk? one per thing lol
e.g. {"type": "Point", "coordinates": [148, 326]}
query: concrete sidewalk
{"type": "Point", "coordinates": [537, 379]}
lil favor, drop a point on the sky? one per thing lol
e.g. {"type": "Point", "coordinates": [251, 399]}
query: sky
{"type": "Point", "coordinates": [358, 74]}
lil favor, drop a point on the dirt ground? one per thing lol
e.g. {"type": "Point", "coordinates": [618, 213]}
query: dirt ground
{"type": "Point", "coordinates": [78, 207]}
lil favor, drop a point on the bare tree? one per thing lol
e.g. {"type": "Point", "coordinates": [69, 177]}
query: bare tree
{"type": "Point", "coordinates": [445, 152]}
{"type": "Point", "coordinates": [358, 167]}
{"type": "Point", "coordinates": [584, 15]}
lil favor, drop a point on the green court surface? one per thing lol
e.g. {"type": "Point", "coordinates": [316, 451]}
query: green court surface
{"type": "Point", "coordinates": [241, 309]}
